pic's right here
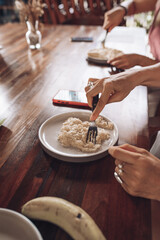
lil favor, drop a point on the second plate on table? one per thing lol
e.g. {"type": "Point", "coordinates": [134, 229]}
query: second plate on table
{"type": "Point", "coordinates": [96, 61]}
{"type": "Point", "coordinates": [48, 135]}
{"type": "Point", "coordinates": [100, 56]}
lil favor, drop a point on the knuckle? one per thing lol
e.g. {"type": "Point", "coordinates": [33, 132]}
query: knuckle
{"type": "Point", "coordinates": [117, 162]}
{"type": "Point", "coordinates": [144, 151]}
{"type": "Point", "coordinates": [141, 160]}
{"type": "Point", "coordinates": [125, 145]}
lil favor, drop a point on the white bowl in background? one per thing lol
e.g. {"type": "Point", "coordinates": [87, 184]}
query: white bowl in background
{"type": "Point", "coordinates": [15, 226]}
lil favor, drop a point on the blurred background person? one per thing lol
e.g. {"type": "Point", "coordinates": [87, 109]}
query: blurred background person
{"type": "Point", "coordinates": [115, 16]}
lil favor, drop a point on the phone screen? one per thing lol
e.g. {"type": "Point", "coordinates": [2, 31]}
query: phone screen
{"type": "Point", "coordinates": [71, 99]}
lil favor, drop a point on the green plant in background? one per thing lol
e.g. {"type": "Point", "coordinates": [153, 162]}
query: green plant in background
{"type": "Point", "coordinates": [2, 121]}
{"type": "Point", "coordinates": [144, 20]}
{"type": "Point", "coordinates": [140, 20]}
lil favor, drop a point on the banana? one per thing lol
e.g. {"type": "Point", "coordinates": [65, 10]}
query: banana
{"type": "Point", "coordinates": [71, 218]}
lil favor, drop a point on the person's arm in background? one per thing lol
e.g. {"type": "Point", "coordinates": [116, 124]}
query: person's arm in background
{"type": "Point", "coordinates": [114, 17]}
{"type": "Point", "coordinates": [116, 87]}
{"type": "Point", "coordinates": [126, 61]}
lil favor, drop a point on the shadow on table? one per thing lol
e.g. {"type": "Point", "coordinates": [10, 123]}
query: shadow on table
{"type": "Point", "coordinates": [50, 231]}
{"type": "Point", "coordinates": [102, 63]}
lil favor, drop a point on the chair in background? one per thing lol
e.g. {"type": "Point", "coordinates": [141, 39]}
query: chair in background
{"type": "Point", "coordinates": [7, 11]}
{"type": "Point", "coordinates": [84, 12]}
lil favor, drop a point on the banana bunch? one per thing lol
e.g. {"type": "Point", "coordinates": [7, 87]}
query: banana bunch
{"type": "Point", "coordinates": [71, 218]}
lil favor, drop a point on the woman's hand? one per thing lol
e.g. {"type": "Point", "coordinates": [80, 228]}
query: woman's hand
{"type": "Point", "coordinates": [140, 172]}
{"type": "Point", "coordinates": [125, 61]}
{"type": "Point", "coordinates": [114, 89]}
{"type": "Point", "coordinates": [113, 18]}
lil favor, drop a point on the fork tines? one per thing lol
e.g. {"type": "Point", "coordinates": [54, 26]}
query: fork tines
{"type": "Point", "coordinates": [92, 133]}
{"type": "Point", "coordinates": [104, 40]}
{"type": "Point", "coordinates": [92, 130]}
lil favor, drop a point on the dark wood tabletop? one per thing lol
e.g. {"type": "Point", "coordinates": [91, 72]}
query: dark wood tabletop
{"type": "Point", "coordinates": [28, 81]}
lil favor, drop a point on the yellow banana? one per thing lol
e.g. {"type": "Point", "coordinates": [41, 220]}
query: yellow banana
{"type": "Point", "coordinates": [73, 219]}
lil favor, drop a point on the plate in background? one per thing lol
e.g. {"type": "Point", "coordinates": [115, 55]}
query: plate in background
{"type": "Point", "coordinates": [98, 61]}
{"type": "Point", "coordinates": [102, 62]}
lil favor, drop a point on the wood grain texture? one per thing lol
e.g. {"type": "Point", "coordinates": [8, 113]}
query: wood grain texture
{"type": "Point", "coordinates": [28, 81]}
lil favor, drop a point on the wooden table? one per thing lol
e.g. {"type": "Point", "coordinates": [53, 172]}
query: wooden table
{"type": "Point", "coordinates": [28, 81]}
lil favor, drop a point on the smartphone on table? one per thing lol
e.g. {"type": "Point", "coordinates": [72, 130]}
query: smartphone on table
{"type": "Point", "coordinates": [81, 39]}
{"type": "Point", "coordinates": [70, 98]}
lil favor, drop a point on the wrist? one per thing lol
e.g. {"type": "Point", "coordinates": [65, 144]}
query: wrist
{"type": "Point", "coordinates": [145, 76]}
{"type": "Point", "coordinates": [151, 75]}
{"type": "Point", "coordinates": [141, 76]}
{"type": "Point", "coordinates": [136, 77]}
{"type": "Point", "coordinates": [124, 9]}
{"type": "Point", "coordinates": [140, 60]}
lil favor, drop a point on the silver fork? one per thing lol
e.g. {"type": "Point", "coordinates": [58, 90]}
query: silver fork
{"type": "Point", "coordinates": [92, 130]}
{"type": "Point", "coordinates": [104, 40]}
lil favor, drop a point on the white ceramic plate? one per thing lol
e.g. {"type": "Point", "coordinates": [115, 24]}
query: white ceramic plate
{"type": "Point", "coordinates": [48, 134]}
{"type": "Point", "coordinates": [15, 226]}
{"type": "Point", "coordinates": [104, 63]}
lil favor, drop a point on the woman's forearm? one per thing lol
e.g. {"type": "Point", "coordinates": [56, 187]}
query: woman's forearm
{"type": "Point", "coordinates": [139, 6]}
{"type": "Point", "coordinates": [145, 61]}
{"type": "Point", "coordinates": [149, 76]}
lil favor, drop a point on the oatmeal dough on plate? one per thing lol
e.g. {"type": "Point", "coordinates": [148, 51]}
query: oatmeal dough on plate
{"type": "Point", "coordinates": [74, 132]}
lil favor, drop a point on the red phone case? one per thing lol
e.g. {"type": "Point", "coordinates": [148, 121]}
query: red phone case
{"type": "Point", "coordinates": [68, 103]}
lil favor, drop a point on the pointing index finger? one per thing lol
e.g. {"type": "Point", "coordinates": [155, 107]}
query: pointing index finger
{"type": "Point", "coordinates": [101, 104]}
